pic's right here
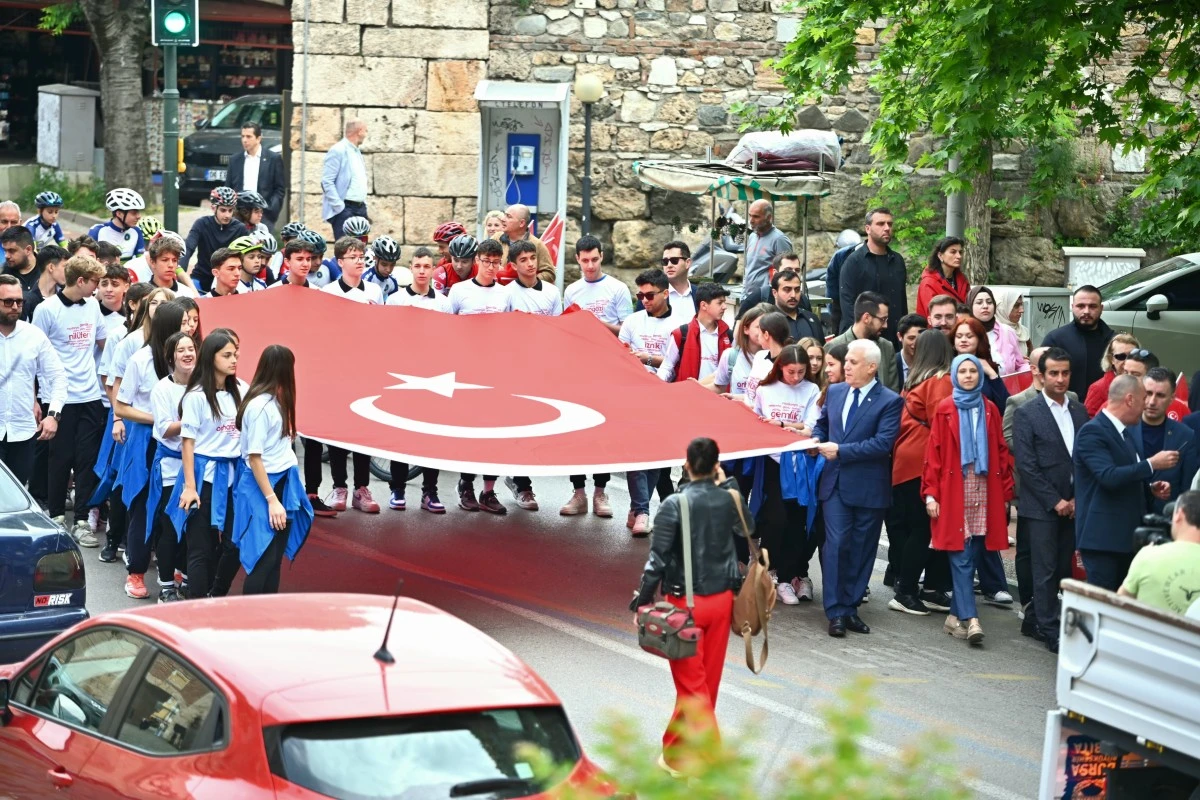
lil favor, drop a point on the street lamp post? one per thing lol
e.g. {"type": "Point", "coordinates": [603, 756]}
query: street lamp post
{"type": "Point", "coordinates": [588, 88]}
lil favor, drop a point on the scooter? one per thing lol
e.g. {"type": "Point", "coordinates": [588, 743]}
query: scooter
{"type": "Point", "coordinates": [721, 265]}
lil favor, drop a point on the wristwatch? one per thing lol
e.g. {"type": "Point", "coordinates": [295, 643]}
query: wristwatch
{"type": "Point", "coordinates": [55, 415]}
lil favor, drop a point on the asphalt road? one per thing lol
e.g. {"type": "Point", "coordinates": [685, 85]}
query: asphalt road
{"type": "Point", "coordinates": [555, 591]}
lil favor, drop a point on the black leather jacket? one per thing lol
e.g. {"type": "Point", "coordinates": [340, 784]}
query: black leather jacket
{"type": "Point", "coordinates": [714, 522]}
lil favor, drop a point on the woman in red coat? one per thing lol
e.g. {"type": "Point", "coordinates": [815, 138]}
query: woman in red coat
{"type": "Point", "coordinates": [943, 275]}
{"type": "Point", "coordinates": [966, 484]}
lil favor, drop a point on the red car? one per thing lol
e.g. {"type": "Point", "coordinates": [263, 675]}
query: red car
{"type": "Point", "coordinates": [278, 696]}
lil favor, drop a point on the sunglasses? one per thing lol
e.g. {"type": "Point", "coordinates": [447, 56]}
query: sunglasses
{"type": "Point", "coordinates": [644, 296]}
{"type": "Point", "coordinates": [1136, 355]}
{"type": "Point", "coordinates": [672, 260]}
{"type": "Point", "coordinates": [12, 302]}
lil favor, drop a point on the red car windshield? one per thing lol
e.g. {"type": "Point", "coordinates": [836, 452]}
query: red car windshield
{"type": "Point", "coordinates": [473, 754]}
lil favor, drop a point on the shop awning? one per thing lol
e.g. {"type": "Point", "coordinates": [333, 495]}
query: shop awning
{"type": "Point", "coordinates": [244, 11]}
{"type": "Point", "coordinates": [731, 183]}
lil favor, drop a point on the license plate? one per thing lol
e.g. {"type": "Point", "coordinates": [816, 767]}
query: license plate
{"type": "Point", "coordinates": [214, 174]}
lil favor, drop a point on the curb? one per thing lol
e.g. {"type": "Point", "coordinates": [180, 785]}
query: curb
{"type": "Point", "coordinates": [79, 218]}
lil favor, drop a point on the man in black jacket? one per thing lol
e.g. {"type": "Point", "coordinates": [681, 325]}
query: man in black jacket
{"type": "Point", "coordinates": [1085, 338]}
{"type": "Point", "coordinates": [256, 169]}
{"type": "Point", "coordinates": [875, 268]}
{"type": "Point", "coordinates": [788, 296]}
{"type": "Point", "coordinates": [209, 234]}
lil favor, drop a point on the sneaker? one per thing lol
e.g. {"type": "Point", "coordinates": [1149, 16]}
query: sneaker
{"type": "Point", "coordinates": [466, 497]}
{"type": "Point", "coordinates": [363, 500]}
{"type": "Point", "coordinates": [787, 595]}
{"type": "Point", "coordinates": [974, 631]}
{"type": "Point", "coordinates": [804, 589]}
{"type": "Point", "coordinates": [168, 594]}
{"type": "Point", "coordinates": [512, 487]}
{"type": "Point", "coordinates": [641, 525]}
{"type": "Point", "coordinates": [61, 521]}
{"type": "Point", "coordinates": [135, 587]}
{"type": "Point", "coordinates": [490, 503]}
{"type": "Point", "coordinates": [108, 553]}
{"type": "Point", "coordinates": [908, 604]}
{"type": "Point", "coordinates": [180, 578]}
{"type": "Point", "coordinates": [319, 507]}
{"type": "Point", "coordinates": [954, 627]}
{"type": "Point", "coordinates": [629, 521]}
{"type": "Point", "coordinates": [1001, 598]}
{"type": "Point", "coordinates": [430, 503]}
{"type": "Point", "coordinates": [69, 504]}
{"type": "Point", "coordinates": [337, 500]}
{"type": "Point", "coordinates": [83, 535]}
{"type": "Point", "coordinates": [93, 520]}
{"type": "Point", "coordinates": [938, 601]}
{"type": "Point", "coordinates": [576, 505]}
{"type": "Point", "coordinates": [600, 505]}
{"type": "Point", "coordinates": [667, 768]}
{"type": "Point", "coordinates": [397, 501]}
{"type": "Point", "coordinates": [527, 501]}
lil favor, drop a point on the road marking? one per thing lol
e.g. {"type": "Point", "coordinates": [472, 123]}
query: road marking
{"type": "Point", "coordinates": [995, 676]}
{"type": "Point", "coordinates": [746, 696]}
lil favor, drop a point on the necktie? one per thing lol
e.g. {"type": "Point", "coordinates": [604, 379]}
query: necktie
{"type": "Point", "coordinates": [1130, 443]}
{"type": "Point", "coordinates": [853, 409]}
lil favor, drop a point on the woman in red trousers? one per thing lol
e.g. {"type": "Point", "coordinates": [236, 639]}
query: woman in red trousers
{"type": "Point", "coordinates": [966, 484]}
{"type": "Point", "coordinates": [714, 520]}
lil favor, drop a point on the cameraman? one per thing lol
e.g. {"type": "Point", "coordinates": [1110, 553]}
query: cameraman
{"type": "Point", "coordinates": [1168, 576]}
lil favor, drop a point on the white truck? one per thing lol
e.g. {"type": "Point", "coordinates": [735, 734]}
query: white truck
{"type": "Point", "coordinates": [1127, 726]}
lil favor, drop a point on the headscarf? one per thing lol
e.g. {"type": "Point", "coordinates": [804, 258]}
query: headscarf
{"type": "Point", "coordinates": [1006, 299]}
{"type": "Point", "coordinates": [972, 437]}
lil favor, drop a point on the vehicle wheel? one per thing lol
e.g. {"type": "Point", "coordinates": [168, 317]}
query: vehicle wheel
{"type": "Point", "coordinates": [381, 468]}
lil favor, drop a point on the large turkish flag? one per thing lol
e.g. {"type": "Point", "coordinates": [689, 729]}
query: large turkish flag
{"type": "Point", "coordinates": [510, 394]}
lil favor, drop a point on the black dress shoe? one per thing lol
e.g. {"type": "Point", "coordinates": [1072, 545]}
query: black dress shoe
{"type": "Point", "coordinates": [837, 626]}
{"type": "Point", "coordinates": [1052, 645]}
{"type": "Point", "coordinates": [853, 623]}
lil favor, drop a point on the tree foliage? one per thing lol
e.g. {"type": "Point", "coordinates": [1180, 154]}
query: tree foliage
{"type": "Point", "coordinates": [979, 74]}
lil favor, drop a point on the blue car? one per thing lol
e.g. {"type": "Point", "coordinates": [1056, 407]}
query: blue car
{"type": "Point", "coordinates": [42, 587]}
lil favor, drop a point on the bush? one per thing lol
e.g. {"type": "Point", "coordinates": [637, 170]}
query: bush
{"type": "Point", "coordinates": [86, 196]}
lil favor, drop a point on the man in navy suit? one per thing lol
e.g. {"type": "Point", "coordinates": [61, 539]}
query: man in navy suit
{"type": "Point", "coordinates": [1158, 432]}
{"type": "Point", "coordinates": [857, 431]}
{"type": "Point", "coordinates": [1113, 482]}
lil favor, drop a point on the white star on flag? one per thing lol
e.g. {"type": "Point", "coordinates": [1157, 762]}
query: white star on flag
{"type": "Point", "coordinates": [443, 384]}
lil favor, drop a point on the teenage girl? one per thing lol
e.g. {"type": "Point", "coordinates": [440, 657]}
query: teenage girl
{"type": "Point", "coordinates": [165, 530]}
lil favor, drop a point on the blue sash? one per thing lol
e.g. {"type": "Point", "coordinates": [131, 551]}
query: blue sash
{"type": "Point", "coordinates": [106, 464]}
{"type": "Point", "coordinates": [176, 514]}
{"type": "Point", "coordinates": [798, 475]}
{"type": "Point", "coordinates": [132, 470]}
{"type": "Point", "coordinates": [220, 499]}
{"type": "Point", "coordinates": [252, 531]}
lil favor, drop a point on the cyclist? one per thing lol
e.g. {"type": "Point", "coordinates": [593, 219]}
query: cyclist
{"type": "Point", "coordinates": [446, 233]}
{"type": "Point", "coordinates": [328, 270]}
{"type": "Point", "coordinates": [383, 272]}
{"type": "Point", "coordinates": [249, 211]}
{"type": "Point", "coordinates": [126, 206]}
{"type": "Point", "coordinates": [290, 231]}
{"type": "Point", "coordinates": [250, 248]}
{"type": "Point", "coordinates": [461, 266]}
{"type": "Point", "coordinates": [210, 234]}
{"type": "Point", "coordinates": [358, 227]}
{"type": "Point", "coordinates": [272, 258]}
{"type": "Point", "coordinates": [44, 227]}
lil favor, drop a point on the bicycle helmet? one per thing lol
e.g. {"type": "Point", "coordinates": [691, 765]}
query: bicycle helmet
{"type": "Point", "coordinates": [463, 246]}
{"type": "Point", "coordinates": [386, 249]}
{"type": "Point", "coordinates": [149, 226]}
{"type": "Point", "coordinates": [292, 230]}
{"type": "Point", "coordinates": [124, 200]}
{"type": "Point", "coordinates": [246, 244]}
{"type": "Point", "coordinates": [270, 246]}
{"type": "Point", "coordinates": [315, 239]}
{"type": "Point", "coordinates": [223, 196]}
{"type": "Point", "coordinates": [847, 238]}
{"type": "Point", "coordinates": [369, 258]}
{"type": "Point", "coordinates": [356, 226]}
{"type": "Point", "coordinates": [48, 200]}
{"type": "Point", "coordinates": [251, 200]}
{"type": "Point", "coordinates": [447, 231]}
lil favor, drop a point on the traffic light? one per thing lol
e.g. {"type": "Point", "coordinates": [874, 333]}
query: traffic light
{"type": "Point", "coordinates": [175, 22]}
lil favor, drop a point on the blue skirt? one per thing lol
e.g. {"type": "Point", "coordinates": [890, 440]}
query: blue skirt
{"type": "Point", "coordinates": [798, 476]}
{"type": "Point", "coordinates": [176, 514]}
{"type": "Point", "coordinates": [252, 531]}
{"type": "Point", "coordinates": [132, 470]}
{"type": "Point", "coordinates": [220, 499]}
{"type": "Point", "coordinates": [106, 463]}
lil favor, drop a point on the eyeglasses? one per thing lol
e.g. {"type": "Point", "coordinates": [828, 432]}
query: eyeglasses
{"type": "Point", "coordinates": [672, 260]}
{"type": "Point", "coordinates": [11, 302]}
{"type": "Point", "coordinates": [489, 262]}
{"type": "Point", "coordinates": [882, 319]}
{"type": "Point", "coordinates": [644, 296]}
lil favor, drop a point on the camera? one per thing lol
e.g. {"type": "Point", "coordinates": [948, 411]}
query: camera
{"type": "Point", "coordinates": [1155, 528]}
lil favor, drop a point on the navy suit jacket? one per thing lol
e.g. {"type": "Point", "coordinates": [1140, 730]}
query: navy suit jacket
{"type": "Point", "coordinates": [1046, 468]}
{"type": "Point", "coordinates": [1112, 488]}
{"type": "Point", "coordinates": [1176, 437]}
{"type": "Point", "coordinates": [861, 475]}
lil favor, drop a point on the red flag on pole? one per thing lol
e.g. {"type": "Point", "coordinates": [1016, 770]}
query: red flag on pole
{"type": "Point", "coordinates": [512, 394]}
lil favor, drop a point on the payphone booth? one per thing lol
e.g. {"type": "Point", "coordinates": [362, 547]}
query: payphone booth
{"type": "Point", "coordinates": [525, 132]}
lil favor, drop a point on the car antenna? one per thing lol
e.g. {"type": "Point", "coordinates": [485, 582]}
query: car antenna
{"type": "Point", "coordinates": [383, 655]}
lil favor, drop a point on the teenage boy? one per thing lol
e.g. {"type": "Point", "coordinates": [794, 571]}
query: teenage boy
{"type": "Point", "coordinates": [163, 257]}
{"type": "Point", "coordinates": [385, 274]}
{"type": "Point", "coordinates": [226, 271]}
{"type": "Point", "coordinates": [298, 258]}
{"type": "Point", "coordinates": [695, 349]}
{"type": "Point", "coordinates": [82, 246]}
{"type": "Point", "coordinates": [44, 227]}
{"type": "Point", "coordinates": [19, 258]}
{"type": "Point", "coordinates": [528, 292]}
{"type": "Point", "coordinates": [108, 253]}
{"type": "Point", "coordinates": [122, 230]}
{"type": "Point", "coordinates": [209, 234]}
{"type": "Point", "coordinates": [73, 323]}
{"type": "Point", "coordinates": [458, 265]}
{"type": "Point", "coordinates": [250, 249]}
{"type": "Point", "coordinates": [111, 294]}
{"type": "Point", "coordinates": [646, 334]}
{"type": "Point", "coordinates": [50, 263]}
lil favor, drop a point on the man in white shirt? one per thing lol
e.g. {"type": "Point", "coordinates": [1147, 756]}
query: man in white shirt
{"type": "Point", "coordinates": [163, 256]}
{"type": "Point", "coordinates": [25, 354]}
{"type": "Point", "coordinates": [676, 262]}
{"type": "Point", "coordinates": [351, 257]}
{"type": "Point", "coordinates": [528, 292]}
{"type": "Point", "coordinates": [256, 169]}
{"type": "Point", "coordinates": [226, 269]}
{"type": "Point", "coordinates": [75, 327]}
{"type": "Point", "coordinates": [482, 294]}
{"type": "Point", "coordinates": [420, 293]}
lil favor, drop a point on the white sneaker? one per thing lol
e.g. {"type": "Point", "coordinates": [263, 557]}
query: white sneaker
{"type": "Point", "coordinates": [787, 595]}
{"type": "Point", "coordinates": [1001, 598]}
{"type": "Point", "coordinates": [83, 536]}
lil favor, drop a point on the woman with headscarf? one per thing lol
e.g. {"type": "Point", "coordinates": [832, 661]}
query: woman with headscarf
{"type": "Point", "coordinates": [1006, 350]}
{"type": "Point", "coordinates": [1010, 307]}
{"type": "Point", "coordinates": [966, 484]}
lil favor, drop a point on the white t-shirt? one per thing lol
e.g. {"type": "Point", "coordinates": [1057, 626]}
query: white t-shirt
{"type": "Point", "coordinates": [640, 331]}
{"type": "Point", "coordinates": [164, 404]}
{"type": "Point", "coordinates": [709, 347]}
{"type": "Point", "coordinates": [125, 349]}
{"type": "Point", "coordinates": [255, 285]}
{"type": "Point", "coordinates": [261, 426]}
{"type": "Point", "coordinates": [778, 402]}
{"type": "Point", "coordinates": [433, 300]}
{"type": "Point", "coordinates": [734, 377]}
{"type": "Point", "coordinates": [363, 293]}
{"type": "Point", "coordinates": [139, 381]}
{"type": "Point", "coordinates": [139, 269]}
{"type": "Point", "coordinates": [758, 370]}
{"type": "Point", "coordinates": [215, 438]}
{"type": "Point", "coordinates": [609, 300]}
{"type": "Point", "coordinates": [471, 297]}
{"type": "Point", "coordinates": [26, 354]}
{"type": "Point", "coordinates": [74, 331]}
{"type": "Point", "coordinates": [307, 284]}
{"type": "Point", "coordinates": [178, 288]}
{"type": "Point", "coordinates": [274, 263]}
{"type": "Point", "coordinates": [682, 305]}
{"type": "Point", "coordinates": [541, 299]}
{"type": "Point", "coordinates": [116, 332]}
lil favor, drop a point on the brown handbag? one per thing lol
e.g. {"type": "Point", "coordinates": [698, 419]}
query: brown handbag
{"type": "Point", "coordinates": [664, 629]}
{"type": "Point", "coordinates": [754, 602]}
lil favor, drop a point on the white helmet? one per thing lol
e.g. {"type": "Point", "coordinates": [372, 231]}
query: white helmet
{"type": "Point", "coordinates": [369, 258]}
{"type": "Point", "coordinates": [356, 226]}
{"type": "Point", "coordinates": [124, 200]}
{"type": "Point", "coordinates": [848, 238]}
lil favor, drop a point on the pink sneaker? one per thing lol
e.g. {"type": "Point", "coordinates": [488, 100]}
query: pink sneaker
{"type": "Point", "coordinates": [337, 500]}
{"type": "Point", "coordinates": [363, 500]}
{"type": "Point", "coordinates": [641, 525]}
{"type": "Point", "coordinates": [135, 587]}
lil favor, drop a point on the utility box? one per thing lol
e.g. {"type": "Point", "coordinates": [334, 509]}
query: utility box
{"type": "Point", "coordinates": [1096, 266]}
{"type": "Point", "coordinates": [67, 127]}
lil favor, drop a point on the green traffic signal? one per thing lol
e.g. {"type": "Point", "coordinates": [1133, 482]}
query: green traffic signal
{"type": "Point", "coordinates": [175, 22]}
